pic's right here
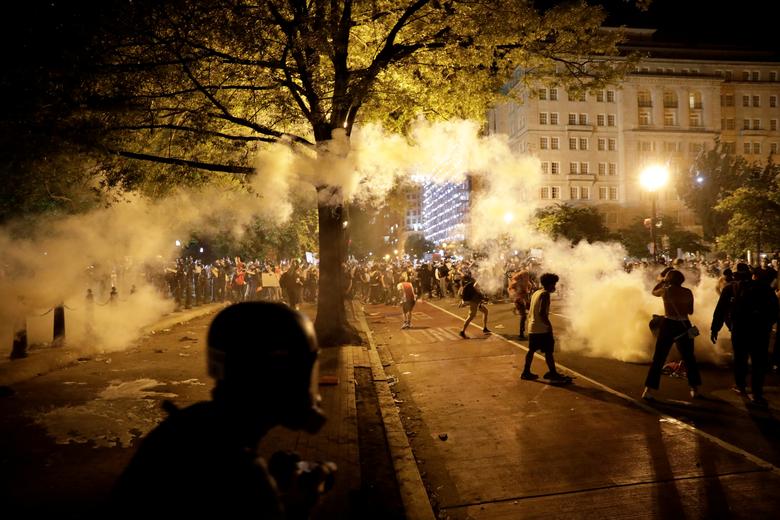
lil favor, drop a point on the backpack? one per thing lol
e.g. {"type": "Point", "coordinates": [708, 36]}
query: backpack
{"type": "Point", "coordinates": [749, 304]}
{"type": "Point", "coordinates": [468, 292]}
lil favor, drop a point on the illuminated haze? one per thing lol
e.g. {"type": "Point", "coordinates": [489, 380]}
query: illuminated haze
{"type": "Point", "coordinates": [608, 308]}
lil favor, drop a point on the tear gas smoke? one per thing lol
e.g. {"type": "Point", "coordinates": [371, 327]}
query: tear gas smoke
{"type": "Point", "coordinates": [608, 308]}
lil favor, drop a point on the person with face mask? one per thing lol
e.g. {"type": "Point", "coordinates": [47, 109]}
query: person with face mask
{"type": "Point", "coordinates": [203, 459]}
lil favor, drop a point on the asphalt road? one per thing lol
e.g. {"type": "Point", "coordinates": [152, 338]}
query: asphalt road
{"type": "Point", "coordinates": [489, 445]}
{"type": "Point", "coordinates": [720, 412]}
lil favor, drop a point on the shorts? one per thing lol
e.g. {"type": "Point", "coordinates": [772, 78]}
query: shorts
{"type": "Point", "coordinates": [407, 306]}
{"type": "Point", "coordinates": [543, 342]}
{"type": "Point", "coordinates": [474, 306]}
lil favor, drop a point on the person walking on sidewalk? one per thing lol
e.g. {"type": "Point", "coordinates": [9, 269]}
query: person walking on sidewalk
{"type": "Point", "coordinates": [540, 332]}
{"type": "Point", "coordinates": [475, 299]}
{"type": "Point", "coordinates": [407, 299]}
{"type": "Point", "coordinates": [675, 328]}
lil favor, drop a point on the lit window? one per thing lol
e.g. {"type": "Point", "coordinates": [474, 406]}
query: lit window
{"type": "Point", "coordinates": [612, 145]}
{"type": "Point", "coordinates": [583, 119]}
{"type": "Point", "coordinates": [574, 193]}
{"type": "Point", "coordinates": [773, 124]}
{"type": "Point", "coordinates": [584, 168]}
{"type": "Point", "coordinates": [755, 75]}
{"type": "Point", "coordinates": [756, 124]}
{"type": "Point", "coordinates": [555, 192]}
{"type": "Point", "coordinates": [542, 118]}
{"type": "Point", "coordinates": [553, 94]}
{"type": "Point", "coordinates": [543, 143]}
{"type": "Point", "coordinates": [756, 101]}
{"type": "Point", "coordinates": [542, 94]}
{"type": "Point", "coordinates": [600, 96]}
{"type": "Point", "coordinates": [584, 193]}
{"type": "Point", "coordinates": [583, 143]}
{"type": "Point", "coordinates": [603, 192]}
{"type": "Point", "coordinates": [573, 168]}
{"type": "Point", "coordinates": [555, 168]}
{"type": "Point", "coordinates": [773, 101]}
{"type": "Point", "coordinates": [613, 193]}
{"type": "Point", "coordinates": [554, 118]}
{"type": "Point", "coordinates": [611, 120]}
{"type": "Point", "coordinates": [572, 143]}
{"type": "Point", "coordinates": [545, 167]}
{"type": "Point", "coordinates": [602, 168]}
{"type": "Point", "coordinates": [600, 119]}
{"type": "Point", "coordinates": [746, 148]}
{"type": "Point", "coordinates": [612, 168]}
{"type": "Point", "coordinates": [554, 144]}
{"type": "Point", "coordinates": [610, 96]}
{"type": "Point", "coordinates": [773, 148]}
{"type": "Point", "coordinates": [545, 192]}
{"type": "Point", "coordinates": [756, 148]}
{"type": "Point", "coordinates": [746, 124]}
{"type": "Point", "coordinates": [745, 101]}
{"type": "Point", "coordinates": [602, 144]}
{"type": "Point", "coordinates": [572, 119]}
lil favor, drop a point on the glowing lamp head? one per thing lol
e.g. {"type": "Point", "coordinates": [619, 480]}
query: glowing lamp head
{"type": "Point", "coordinates": [700, 179]}
{"type": "Point", "coordinates": [178, 243]}
{"type": "Point", "coordinates": [654, 177]}
{"type": "Point", "coordinates": [508, 217]}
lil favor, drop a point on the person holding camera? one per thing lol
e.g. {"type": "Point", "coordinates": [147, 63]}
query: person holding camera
{"type": "Point", "coordinates": [203, 460]}
{"type": "Point", "coordinates": [676, 329]}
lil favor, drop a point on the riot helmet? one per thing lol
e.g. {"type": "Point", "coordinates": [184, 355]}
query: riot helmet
{"type": "Point", "coordinates": [265, 354]}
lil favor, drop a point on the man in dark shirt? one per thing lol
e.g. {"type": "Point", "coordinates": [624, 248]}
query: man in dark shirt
{"type": "Point", "coordinates": [202, 461]}
{"type": "Point", "coordinates": [749, 307]}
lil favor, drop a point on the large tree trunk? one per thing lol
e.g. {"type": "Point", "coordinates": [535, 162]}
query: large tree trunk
{"type": "Point", "coordinates": [331, 323]}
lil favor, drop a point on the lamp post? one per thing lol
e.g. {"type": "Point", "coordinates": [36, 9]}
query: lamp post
{"type": "Point", "coordinates": [653, 178]}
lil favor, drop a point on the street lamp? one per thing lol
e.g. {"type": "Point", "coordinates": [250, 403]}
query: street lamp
{"type": "Point", "coordinates": [652, 179]}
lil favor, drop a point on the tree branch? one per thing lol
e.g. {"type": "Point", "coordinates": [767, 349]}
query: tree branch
{"type": "Point", "coordinates": [212, 167]}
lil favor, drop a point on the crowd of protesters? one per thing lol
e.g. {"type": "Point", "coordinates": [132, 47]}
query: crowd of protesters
{"type": "Point", "coordinates": [192, 282]}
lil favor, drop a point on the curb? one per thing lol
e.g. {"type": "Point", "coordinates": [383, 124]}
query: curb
{"type": "Point", "coordinates": [417, 505]}
{"type": "Point", "coordinates": [44, 360]}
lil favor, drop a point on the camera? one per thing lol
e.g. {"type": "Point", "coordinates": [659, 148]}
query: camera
{"type": "Point", "coordinates": [311, 478]}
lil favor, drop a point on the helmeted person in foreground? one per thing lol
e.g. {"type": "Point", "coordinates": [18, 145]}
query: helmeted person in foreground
{"type": "Point", "coordinates": [203, 460]}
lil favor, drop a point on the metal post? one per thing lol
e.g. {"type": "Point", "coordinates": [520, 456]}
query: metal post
{"type": "Point", "coordinates": [652, 231]}
{"type": "Point", "coordinates": [58, 332]}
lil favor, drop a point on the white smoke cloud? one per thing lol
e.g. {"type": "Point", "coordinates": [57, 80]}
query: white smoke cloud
{"type": "Point", "coordinates": [608, 308]}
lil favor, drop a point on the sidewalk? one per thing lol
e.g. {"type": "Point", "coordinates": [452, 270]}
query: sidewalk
{"type": "Point", "coordinates": [492, 446]}
{"type": "Point", "coordinates": [41, 360]}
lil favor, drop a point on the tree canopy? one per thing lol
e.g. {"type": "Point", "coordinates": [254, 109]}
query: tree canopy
{"type": "Point", "coordinates": [197, 88]}
{"type": "Point", "coordinates": [574, 223]}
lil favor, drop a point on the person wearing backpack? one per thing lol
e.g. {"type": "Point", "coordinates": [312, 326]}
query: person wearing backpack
{"type": "Point", "coordinates": [475, 300]}
{"type": "Point", "coordinates": [749, 308]}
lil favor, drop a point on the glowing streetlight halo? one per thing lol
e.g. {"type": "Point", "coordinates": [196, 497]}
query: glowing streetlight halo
{"type": "Point", "coordinates": [654, 177]}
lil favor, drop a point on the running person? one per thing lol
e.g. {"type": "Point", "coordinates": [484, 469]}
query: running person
{"type": "Point", "coordinates": [475, 299]}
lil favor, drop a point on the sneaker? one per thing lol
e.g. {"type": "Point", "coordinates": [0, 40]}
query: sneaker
{"type": "Point", "coordinates": [759, 400]}
{"type": "Point", "coordinates": [404, 326]}
{"type": "Point", "coordinates": [462, 334]}
{"type": "Point", "coordinates": [486, 331]}
{"type": "Point", "coordinates": [695, 393]}
{"type": "Point", "coordinates": [528, 376]}
{"type": "Point", "coordinates": [647, 395]}
{"type": "Point", "coordinates": [739, 389]}
{"type": "Point", "coordinates": [557, 378]}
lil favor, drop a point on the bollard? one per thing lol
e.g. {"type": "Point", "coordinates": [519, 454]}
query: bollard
{"type": "Point", "coordinates": [19, 349]}
{"type": "Point", "coordinates": [59, 326]}
{"type": "Point", "coordinates": [90, 312]}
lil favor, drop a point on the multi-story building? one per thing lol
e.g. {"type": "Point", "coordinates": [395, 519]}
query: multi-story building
{"type": "Point", "coordinates": [675, 104]}
{"type": "Point", "coordinates": [445, 211]}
